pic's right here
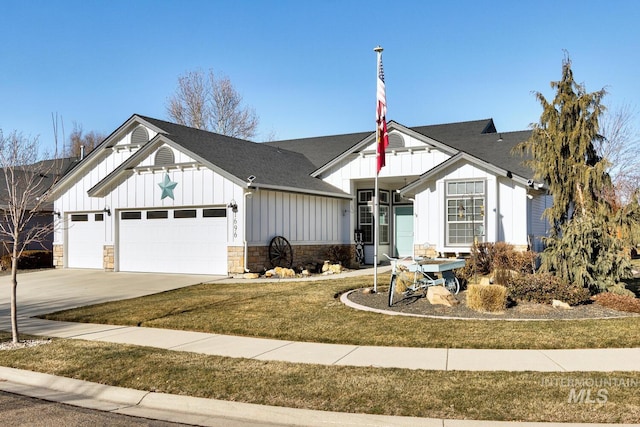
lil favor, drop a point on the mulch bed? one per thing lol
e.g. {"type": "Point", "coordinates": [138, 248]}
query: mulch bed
{"type": "Point", "coordinates": [418, 305]}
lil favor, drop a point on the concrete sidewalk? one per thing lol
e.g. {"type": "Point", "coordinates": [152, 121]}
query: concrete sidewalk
{"type": "Point", "coordinates": [441, 359]}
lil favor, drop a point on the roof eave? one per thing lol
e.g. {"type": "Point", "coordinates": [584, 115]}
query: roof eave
{"type": "Point", "coordinates": [102, 151]}
{"type": "Point", "coordinates": [258, 186]}
{"type": "Point", "coordinates": [498, 171]}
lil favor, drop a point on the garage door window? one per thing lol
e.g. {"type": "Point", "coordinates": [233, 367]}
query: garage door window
{"type": "Point", "coordinates": [214, 213]}
{"type": "Point", "coordinates": [131, 215]}
{"type": "Point", "coordinates": [185, 213]}
{"type": "Point", "coordinates": [157, 214]}
{"type": "Point", "coordinates": [99, 217]}
{"type": "Point", "coordinates": [79, 218]}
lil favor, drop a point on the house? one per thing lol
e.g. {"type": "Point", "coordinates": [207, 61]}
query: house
{"type": "Point", "coordinates": [30, 182]}
{"type": "Point", "coordinates": [161, 197]}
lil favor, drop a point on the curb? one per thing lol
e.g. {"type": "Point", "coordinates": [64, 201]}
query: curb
{"type": "Point", "coordinates": [209, 412]}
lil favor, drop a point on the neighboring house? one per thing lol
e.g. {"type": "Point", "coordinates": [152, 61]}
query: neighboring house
{"type": "Point", "coordinates": [44, 173]}
{"type": "Point", "coordinates": [161, 197]}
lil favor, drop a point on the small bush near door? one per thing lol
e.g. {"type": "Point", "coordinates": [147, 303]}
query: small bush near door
{"type": "Point", "coordinates": [29, 260]}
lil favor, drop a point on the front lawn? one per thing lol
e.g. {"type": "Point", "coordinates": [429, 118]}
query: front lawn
{"type": "Point", "coordinates": [523, 396]}
{"type": "Point", "coordinates": [311, 311]}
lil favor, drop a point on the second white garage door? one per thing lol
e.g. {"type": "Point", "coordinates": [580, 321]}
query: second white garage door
{"type": "Point", "coordinates": [192, 241]}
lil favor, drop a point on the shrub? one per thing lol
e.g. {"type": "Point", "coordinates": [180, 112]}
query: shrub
{"type": "Point", "coordinates": [340, 254]}
{"type": "Point", "coordinates": [481, 258]}
{"type": "Point", "coordinates": [618, 302]}
{"type": "Point", "coordinates": [544, 287]}
{"type": "Point", "coordinates": [487, 298]}
{"type": "Point", "coordinates": [620, 289]}
{"type": "Point", "coordinates": [29, 260]}
{"type": "Point", "coordinates": [488, 257]}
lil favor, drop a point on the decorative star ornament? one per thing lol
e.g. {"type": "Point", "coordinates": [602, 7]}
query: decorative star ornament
{"type": "Point", "coordinates": [167, 187]}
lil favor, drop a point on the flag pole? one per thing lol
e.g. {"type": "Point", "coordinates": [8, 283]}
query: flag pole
{"type": "Point", "coordinates": [376, 201]}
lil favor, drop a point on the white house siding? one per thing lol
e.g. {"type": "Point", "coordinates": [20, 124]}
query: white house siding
{"type": "Point", "coordinates": [538, 226]}
{"type": "Point", "coordinates": [505, 209]}
{"type": "Point", "coordinates": [301, 219]}
{"type": "Point", "coordinates": [197, 187]}
{"type": "Point", "coordinates": [512, 212]}
{"type": "Point", "coordinates": [402, 164]}
{"type": "Point", "coordinates": [75, 199]}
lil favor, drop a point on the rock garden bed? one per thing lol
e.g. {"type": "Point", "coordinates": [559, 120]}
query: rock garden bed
{"type": "Point", "coordinates": [419, 306]}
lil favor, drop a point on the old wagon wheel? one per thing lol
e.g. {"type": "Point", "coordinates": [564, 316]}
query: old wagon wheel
{"type": "Point", "coordinates": [280, 252]}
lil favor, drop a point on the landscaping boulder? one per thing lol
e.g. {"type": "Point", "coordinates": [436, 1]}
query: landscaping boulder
{"type": "Point", "coordinates": [559, 304]}
{"type": "Point", "coordinates": [440, 295]}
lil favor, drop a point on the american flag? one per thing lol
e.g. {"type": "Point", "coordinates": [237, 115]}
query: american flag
{"type": "Point", "coordinates": [381, 117]}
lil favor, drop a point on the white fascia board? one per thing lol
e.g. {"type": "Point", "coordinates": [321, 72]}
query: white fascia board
{"type": "Point", "coordinates": [371, 138]}
{"type": "Point", "coordinates": [101, 152]}
{"type": "Point", "coordinates": [126, 168]}
{"type": "Point", "coordinates": [255, 186]}
{"type": "Point", "coordinates": [455, 159]}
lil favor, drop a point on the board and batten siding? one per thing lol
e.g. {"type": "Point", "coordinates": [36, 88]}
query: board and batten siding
{"type": "Point", "coordinates": [505, 208]}
{"type": "Point", "coordinates": [538, 226]}
{"type": "Point", "coordinates": [196, 187]}
{"type": "Point", "coordinates": [300, 218]}
{"type": "Point", "coordinates": [401, 164]}
{"type": "Point", "coordinates": [512, 215]}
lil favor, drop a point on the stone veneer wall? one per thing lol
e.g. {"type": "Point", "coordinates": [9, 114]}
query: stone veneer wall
{"type": "Point", "coordinates": [302, 254]}
{"type": "Point", "coordinates": [108, 256]}
{"type": "Point", "coordinates": [235, 259]}
{"type": "Point", "coordinates": [58, 256]}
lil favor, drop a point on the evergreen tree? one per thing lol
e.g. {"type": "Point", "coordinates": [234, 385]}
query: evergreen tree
{"type": "Point", "coordinates": [585, 245]}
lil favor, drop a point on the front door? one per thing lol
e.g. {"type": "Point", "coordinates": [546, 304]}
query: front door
{"type": "Point", "coordinates": [403, 225]}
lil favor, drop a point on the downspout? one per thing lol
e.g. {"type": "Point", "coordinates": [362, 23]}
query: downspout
{"type": "Point", "coordinates": [247, 194]}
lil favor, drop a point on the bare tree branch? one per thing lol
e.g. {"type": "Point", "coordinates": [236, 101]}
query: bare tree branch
{"type": "Point", "coordinates": [209, 103]}
{"type": "Point", "coordinates": [621, 148]}
{"type": "Point", "coordinates": [25, 214]}
{"type": "Point", "coordinates": [80, 142]}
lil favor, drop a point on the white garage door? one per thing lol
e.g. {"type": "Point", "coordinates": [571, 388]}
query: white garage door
{"type": "Point", "coordinates": [190, 241]}
{"type": "Point", "coordinates": [85, 240]}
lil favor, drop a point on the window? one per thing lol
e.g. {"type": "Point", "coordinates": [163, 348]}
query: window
{"type": "Point", "coordinates": [214, 213]}
{"type": "Point", "coordinates": [157, 214]}
{"type": "Point", "coordinates": [365, 222]}
{"type": "Point", "coordinates": [465, 212]}
{"type": "Point", "coordinates": [185, 213]}
{"type": "Point", "coordinates": [99, 217]}
{"type": "Point", "coordinates": [131, 215]}
{"type": "Point", "coordinates": [365, 216]}
{"type": "Point", "coordinates": [383, 225]}
{"type": "Point", "coordinates": [79, 217]}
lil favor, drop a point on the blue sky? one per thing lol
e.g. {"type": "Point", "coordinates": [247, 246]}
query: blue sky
{"type": "Point", "coordinates": [308, 67]}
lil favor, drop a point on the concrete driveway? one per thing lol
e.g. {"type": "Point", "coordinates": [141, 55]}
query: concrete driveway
{"type": "Point", "coordinates": [46, 291]}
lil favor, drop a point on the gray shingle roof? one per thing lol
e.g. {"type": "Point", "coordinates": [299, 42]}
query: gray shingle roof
{"type": "Point", "coordinates": [322, 149]}
{"type": "Point", "coordinates": [39, 177]}
{"type": "Point", "coordinates": [272, 166]}
{"type": "Point", "coordinates": [289, 163]}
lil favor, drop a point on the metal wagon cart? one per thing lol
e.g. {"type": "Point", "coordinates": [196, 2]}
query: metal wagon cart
{"type": "Point", "coordinates": [420, 273]}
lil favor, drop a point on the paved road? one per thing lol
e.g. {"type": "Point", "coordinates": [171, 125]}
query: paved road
{"type": "Point", "coordinates": [16, 410]}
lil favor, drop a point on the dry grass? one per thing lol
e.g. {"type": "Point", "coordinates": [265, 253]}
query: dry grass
{"type": "Point", "coordinates": [471, 395]}
{"type": "Point", "coordinates": [487, 298]}
{"type": "Point", "coordinates": [310, 311]}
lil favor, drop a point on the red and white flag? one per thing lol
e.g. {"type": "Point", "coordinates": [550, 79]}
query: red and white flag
{"type": "Point", "coordinates": [381, 117]}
